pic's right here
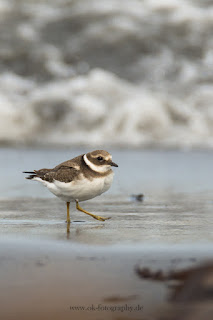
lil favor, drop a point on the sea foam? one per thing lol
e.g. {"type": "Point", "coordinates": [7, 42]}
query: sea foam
{"type": "Point", "coordinates": [98, 72]}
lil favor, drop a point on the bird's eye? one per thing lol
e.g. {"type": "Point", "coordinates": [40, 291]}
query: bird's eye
{"type": "Point", "coordinates": [100, 158]}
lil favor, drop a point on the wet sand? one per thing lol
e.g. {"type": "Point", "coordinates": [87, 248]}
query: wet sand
{"type": "Point", "coordinates": [178, 218]}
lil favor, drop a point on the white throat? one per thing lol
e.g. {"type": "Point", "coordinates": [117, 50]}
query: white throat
{"type": "Point", "coordinates": [94, 167]}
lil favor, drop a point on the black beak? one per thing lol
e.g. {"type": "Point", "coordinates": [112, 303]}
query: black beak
{"type": "Point", "coordinates": [113, 164]}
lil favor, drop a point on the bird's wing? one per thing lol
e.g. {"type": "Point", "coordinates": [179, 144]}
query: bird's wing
{"type": "Point", "coordinates": [64, 172]}
{"type": "Point", "coordinates": [60, 173]}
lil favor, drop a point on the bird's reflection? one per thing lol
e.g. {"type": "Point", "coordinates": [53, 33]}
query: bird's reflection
{"type": "Point", "coordinates": [79, 231]}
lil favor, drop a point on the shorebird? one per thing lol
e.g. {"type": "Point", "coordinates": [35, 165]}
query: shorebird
{"type": "Point", "coordinates": [82, 178]}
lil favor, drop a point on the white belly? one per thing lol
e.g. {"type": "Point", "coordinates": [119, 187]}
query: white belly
{"type": "Point", "coordinates": [82, 189]}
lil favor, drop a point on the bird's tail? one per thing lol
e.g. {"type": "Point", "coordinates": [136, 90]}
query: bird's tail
{"type": "Point", "coordinates": [32, 174]}
{"type": "Point", "coordinates": [37, 173]}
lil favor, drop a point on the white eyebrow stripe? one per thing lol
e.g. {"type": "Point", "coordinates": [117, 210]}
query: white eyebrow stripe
{"type": "Point", "coordinates": [94, 167]}
{"type": "Point", "coordinates": [108, 158]}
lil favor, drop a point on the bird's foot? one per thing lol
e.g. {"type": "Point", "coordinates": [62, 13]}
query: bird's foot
{"type": "Point", "coordinates": [100, 218]}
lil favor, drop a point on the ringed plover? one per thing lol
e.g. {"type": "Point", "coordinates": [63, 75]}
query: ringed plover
{"type": "Point", "coordinates": [79, 179]}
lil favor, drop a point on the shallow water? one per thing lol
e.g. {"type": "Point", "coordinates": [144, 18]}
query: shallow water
{"type": "Point", "coordinates": [178, 219]}
{"type": "Point", "coordinates": [151, 172]}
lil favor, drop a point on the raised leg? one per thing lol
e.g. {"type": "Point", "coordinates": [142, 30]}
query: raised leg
{"type": "Point", "coordinates": [68, 212]}
{"type": "Point", "coordinates": [90, 214]}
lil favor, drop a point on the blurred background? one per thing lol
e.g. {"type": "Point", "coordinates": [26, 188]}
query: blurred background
{"type": "Point", "coordinates": [115, 73]}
